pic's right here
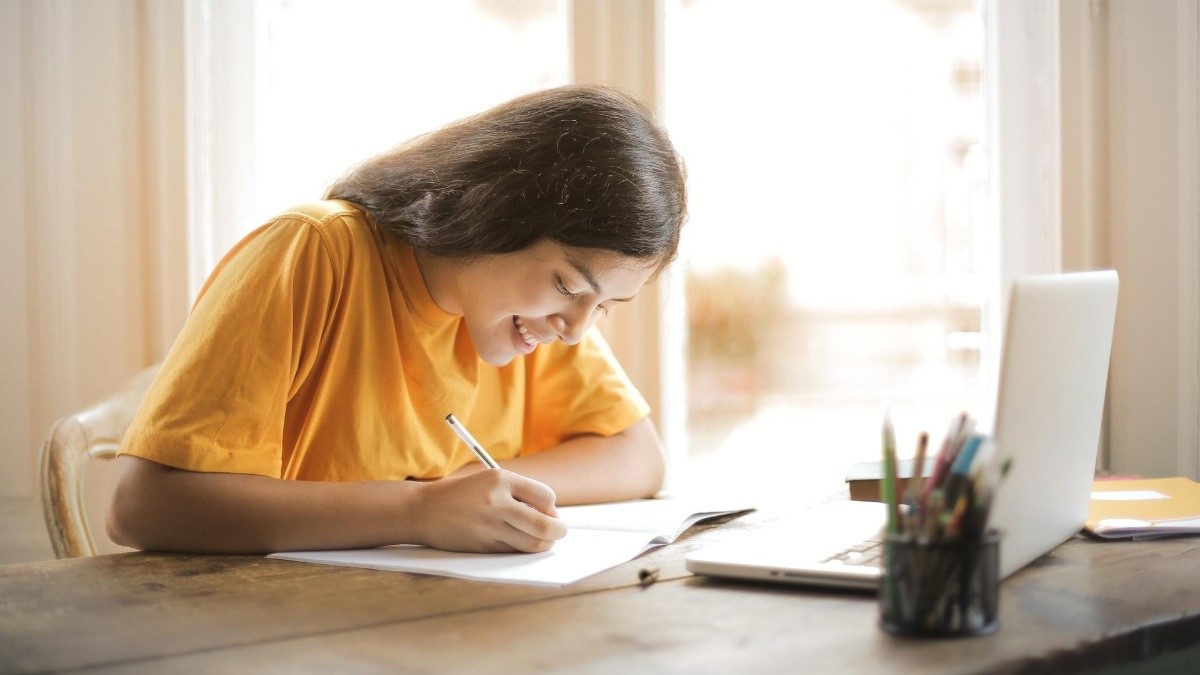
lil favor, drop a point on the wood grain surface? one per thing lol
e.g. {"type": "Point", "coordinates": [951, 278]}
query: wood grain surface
{"type": "Point", "coordinates": [1085, 605]}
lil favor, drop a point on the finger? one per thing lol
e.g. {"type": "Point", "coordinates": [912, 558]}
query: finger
{"type": "Point", "coordinates": [524, 542]}
{"type": "Point", "coordinates": [538, 495]}
{"type": "Point", "coordinates": [534, 523]}
{"type": "Point", "coordinates": [498, 546]}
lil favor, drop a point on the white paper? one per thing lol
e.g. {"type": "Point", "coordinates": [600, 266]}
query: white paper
{"type": "Point", "coordinates": [1127, 495]}
{"type": "Point", "coordinates": [579, 554]}
{"type": "Point", "coordinates": [598, 537]}
{"type": "Point", "coordinates": [1144, 529]}
{"type": "Point", "coordinates": [666, 518]}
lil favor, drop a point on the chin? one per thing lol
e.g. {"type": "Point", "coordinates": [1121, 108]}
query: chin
{"type": "Point", "coordinates": [498, 360]}
{"type": "Point", "coordinates": [492, 345]}
{"type": "Point", "coordinates": [494, 354]}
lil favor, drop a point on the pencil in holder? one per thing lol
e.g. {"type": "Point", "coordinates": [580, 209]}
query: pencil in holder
{"type": "Point", "coordinates": [942, 587]}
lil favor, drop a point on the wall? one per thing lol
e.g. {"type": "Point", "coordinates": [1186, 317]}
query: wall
{"type": "Point", "coordinates": [1153, 183]}
{"type": "Point", "coordinates": [92, 196]}
{"type": "Point", "coordinates": [1131, 149]}
{"type": "Point", "coordinates": [15, 407]}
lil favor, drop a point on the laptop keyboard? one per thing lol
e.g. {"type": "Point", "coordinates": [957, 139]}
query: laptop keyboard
{"type": "Point", "coordinates": [866, 553]}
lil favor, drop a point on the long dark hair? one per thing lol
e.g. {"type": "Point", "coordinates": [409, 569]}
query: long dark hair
{"type": "Point", "coordinates": [585, 166]}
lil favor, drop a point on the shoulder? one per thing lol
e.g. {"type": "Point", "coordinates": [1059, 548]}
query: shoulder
{"type": "Point", "coordinates": [330, 218]}
{"type": "Point", "coordinates": [321, 214]}
{"type": "Point", "coordinates": [341, 227]}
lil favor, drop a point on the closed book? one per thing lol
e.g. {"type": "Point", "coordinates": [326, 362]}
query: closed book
{"type": "Point", "coordinates": [865, 478]}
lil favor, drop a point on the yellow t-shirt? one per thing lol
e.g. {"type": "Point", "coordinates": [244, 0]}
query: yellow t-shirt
{"type": "Point", "coordinates": [315, 352]}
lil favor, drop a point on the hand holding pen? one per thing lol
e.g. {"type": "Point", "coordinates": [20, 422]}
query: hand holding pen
{"type": "Point", "coordinates": [487, 511]}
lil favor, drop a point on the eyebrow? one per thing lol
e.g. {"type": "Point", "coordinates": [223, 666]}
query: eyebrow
{"type": "Point", "coordinates": [591, 279]}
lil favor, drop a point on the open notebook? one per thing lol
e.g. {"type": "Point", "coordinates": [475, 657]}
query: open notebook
{"type": "Point", "coordinates": [599, 536]}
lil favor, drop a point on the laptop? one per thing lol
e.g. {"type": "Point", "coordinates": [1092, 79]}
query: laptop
{"type": "Point", "coordinates": [1053, 375]}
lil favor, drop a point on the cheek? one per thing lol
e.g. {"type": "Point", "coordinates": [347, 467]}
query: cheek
{"type": "Point", "coordinates": [496, 304]}
{"type": "Point", "coordinates": [531, 302]}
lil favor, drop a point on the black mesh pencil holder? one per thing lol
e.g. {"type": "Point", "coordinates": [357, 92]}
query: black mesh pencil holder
{"type": "Point", "coordinates": [940, 588]}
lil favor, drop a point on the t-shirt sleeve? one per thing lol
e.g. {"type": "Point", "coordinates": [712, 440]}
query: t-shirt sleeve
{"type": "Point", "coordinates": [219, 400]}
{"type": "Point", "coordinates": [574, 390]}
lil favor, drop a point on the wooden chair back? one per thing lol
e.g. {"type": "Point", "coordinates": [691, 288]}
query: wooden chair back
{"type": "Point", "coordinates": [92, 433]}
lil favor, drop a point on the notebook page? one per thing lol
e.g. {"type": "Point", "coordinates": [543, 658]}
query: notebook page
{"type": "Point", "coordinates": [662, 518]}
{"type": "Point", "coordinates": [580, 554]}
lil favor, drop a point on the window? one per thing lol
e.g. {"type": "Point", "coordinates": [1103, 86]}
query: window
{"type": "Point", "coordinates": [343, 81]}
{"type": "Point", "coordinates": [834, 251]}
{"type": "Point", "coordinates": [289, 94]}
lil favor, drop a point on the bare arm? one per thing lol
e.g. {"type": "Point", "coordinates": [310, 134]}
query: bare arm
{"type": "Point", "coordinates": [162, 508]}
{"type": "Point", "coordinates": [589, 468]}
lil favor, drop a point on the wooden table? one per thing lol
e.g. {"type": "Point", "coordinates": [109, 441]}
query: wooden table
{"type": "Point", "coordinates": [1086, 605]}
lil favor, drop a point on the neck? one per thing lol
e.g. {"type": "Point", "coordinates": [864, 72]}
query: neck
{"type": "Point", "coordinates": [439, 274]}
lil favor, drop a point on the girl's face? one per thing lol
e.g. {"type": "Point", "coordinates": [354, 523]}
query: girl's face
{"type": "Point", "coordinates": [513, 302]}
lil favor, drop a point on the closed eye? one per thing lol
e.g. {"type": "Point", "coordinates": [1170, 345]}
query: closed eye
{"type": "Point", "coordinates": [563, 289]}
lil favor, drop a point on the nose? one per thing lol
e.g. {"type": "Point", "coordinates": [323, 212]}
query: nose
{"type": "Point", "coordinates": [570, 326]}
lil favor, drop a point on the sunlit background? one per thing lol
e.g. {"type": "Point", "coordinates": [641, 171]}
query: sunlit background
{"type": "Point", "coordinates": [837, 191]}
{"type": "Point", "coordinates": [836, 182]}
{"type": "Point", "coordinates": [866, 179]}
{"type": "Point", "coordinates": [341, 81]}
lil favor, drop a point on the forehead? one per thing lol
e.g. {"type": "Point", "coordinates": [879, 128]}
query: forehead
{"type": "Point", "coordinates": [609, 268]}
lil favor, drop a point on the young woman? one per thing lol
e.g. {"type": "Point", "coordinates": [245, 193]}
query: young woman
{"type": "Point", "coordinates": [303, 405]}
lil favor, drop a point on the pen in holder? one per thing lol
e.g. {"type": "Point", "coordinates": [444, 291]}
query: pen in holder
{"type": "Point", "coordinates": [941, 563]}
{"type": "Point", "coordinates": [940, 588]}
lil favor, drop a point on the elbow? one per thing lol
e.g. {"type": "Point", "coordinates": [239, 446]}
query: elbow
{"type": "Point", "coordinates": [117, 530]}
{"type": "Point", "coordinates": [650, 456]}
{"type": "Point", "coordinates": [126, 522]}
{"type": "Point", "coordinates": [121, 522]}
{"type": "Point", "coordinates": [656, 474]}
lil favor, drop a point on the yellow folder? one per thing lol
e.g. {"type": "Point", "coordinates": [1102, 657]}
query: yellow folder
{"type": "Point", "coordinates": [1150, 507]}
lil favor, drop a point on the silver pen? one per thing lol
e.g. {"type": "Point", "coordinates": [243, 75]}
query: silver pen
{"type": "Point", "coordinates": [471, 442]}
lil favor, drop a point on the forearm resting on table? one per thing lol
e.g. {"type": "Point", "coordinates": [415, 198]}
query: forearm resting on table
{"type": "Point", "coordinates": [590, 469]}
{"type": "Point", "coordinates": [156, 507]}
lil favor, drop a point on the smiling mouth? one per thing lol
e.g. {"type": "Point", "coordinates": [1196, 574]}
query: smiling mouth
{"type": "Point", "coordinates": [526, 335]}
